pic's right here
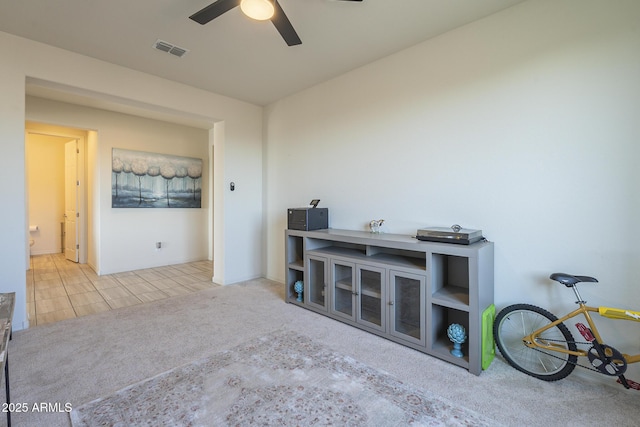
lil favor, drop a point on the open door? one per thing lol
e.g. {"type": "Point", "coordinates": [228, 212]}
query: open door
{"type": "Point", "coordinates": [71, 200]}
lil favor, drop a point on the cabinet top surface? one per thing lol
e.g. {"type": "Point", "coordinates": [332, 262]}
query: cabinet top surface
{"type": "Point", "coordinates": [385, 239]}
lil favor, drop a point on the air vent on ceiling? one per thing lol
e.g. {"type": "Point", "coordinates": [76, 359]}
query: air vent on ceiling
{"type": "Point", "coordinates": [170, 48]}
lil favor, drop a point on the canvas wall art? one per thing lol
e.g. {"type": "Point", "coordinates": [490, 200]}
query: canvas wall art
{"type": "Point", "coordinates": [150, 180]}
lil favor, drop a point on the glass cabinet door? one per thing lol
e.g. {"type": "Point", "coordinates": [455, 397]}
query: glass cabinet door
{"type": "Point", "coordinates": [343, 289]}
{"type": "Point", "coordinates": [314, 288]}
{"type": "Point", "coordinates": [371, 296]}
{"type": "Point", "coordinates": [407, 306]}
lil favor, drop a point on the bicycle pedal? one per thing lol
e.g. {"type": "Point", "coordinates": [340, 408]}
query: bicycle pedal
{"type": "Point", "coordinates": [632, 384]}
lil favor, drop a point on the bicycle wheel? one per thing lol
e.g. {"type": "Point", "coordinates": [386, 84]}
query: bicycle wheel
{"type": "Point", "coordinates": [515, 322]}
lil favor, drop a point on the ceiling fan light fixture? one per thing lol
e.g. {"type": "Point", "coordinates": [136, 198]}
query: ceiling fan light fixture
{"type": "Point", "coordinates": [260, 10]}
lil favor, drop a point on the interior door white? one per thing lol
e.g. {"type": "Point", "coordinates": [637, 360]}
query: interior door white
{"type": "Point", "coordinates": [71, 200]}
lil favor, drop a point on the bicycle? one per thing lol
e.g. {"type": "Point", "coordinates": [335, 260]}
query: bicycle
{"type": "Point", "coordinates": [536, 342]}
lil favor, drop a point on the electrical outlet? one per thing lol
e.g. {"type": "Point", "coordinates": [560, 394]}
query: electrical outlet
{"type": "Point", "coordinates": [158, 245]}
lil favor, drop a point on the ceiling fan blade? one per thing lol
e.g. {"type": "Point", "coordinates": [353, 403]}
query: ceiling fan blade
{"type": "Point", "coordinates": [214, 10]}
{"type": "Point", "coordinates": [283, 25]}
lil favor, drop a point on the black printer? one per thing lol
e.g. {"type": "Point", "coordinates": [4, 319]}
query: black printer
{"type": "Point", "coordinates": [308, 218]}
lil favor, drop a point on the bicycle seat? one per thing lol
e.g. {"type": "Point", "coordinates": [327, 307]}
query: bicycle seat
{"type": "Point", "coordinates": [569, 280]}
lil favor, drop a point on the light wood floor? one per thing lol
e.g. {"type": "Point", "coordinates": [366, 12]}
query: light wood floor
{"type": "Point", "coordinates": [58, 289]}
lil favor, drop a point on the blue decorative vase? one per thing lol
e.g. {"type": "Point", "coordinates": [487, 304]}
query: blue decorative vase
{"type": "Point", "coordinates": [298, 287]}
{"type": "Point", "coordinates": [457, 335]}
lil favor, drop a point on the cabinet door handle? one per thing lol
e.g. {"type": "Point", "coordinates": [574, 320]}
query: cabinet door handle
{"type": "Point", "coordinates": [390, 302]}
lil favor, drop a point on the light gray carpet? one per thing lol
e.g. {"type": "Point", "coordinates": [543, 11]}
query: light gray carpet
{"type": "Point", "coordinates": [79, 360]}
{"type": "Point", "coordinates": [283, 379]}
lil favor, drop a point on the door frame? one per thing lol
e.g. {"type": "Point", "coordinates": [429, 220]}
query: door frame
{"type": "Point", "coordinates": [37, 128]}
{"type": "Point", "coordinates": [71, 191]}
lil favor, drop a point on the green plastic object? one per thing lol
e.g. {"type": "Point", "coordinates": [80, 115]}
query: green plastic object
{"type": "Point", "coordinates": [488, 344]}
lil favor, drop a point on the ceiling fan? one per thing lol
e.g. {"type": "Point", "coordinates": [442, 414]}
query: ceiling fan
{"type": "Point", "coordinates": [256, 9]}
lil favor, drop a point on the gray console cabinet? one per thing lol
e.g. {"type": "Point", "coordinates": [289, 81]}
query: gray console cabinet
{"type": "Point", "coordinates": [395, 286]}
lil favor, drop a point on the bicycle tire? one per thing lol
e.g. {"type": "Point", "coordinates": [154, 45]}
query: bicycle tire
{"type": "Point", "coordinates": [519, 320]}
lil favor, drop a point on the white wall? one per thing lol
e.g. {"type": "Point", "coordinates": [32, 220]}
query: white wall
{"type": "Point", "coordinates": [45, 176]}
{"type": "Point", "coordinates": [128, 236]}
{"type": "Point", "coordinates": [237, 254]}
{"type": "Point", "coordinates": [13, 225]}
{"type": "Point", "coordinates": [523, 124]}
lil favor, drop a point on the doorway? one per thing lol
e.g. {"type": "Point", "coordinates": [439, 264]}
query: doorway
{"type": "Point", "coordinates": [56, 191]}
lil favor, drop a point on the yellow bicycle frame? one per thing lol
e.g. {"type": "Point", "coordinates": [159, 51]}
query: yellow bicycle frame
{"type": "Point", "coordinates": [533, 340]}
{"type": "Point", "coordinates": [616, 313]}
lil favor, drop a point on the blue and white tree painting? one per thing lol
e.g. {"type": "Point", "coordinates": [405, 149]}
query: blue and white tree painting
{"type": "Point", "coordinates": [150, 180]}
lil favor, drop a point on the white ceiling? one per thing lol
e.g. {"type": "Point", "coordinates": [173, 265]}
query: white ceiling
{"type": "Point", "coordinates": [234, 55]}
